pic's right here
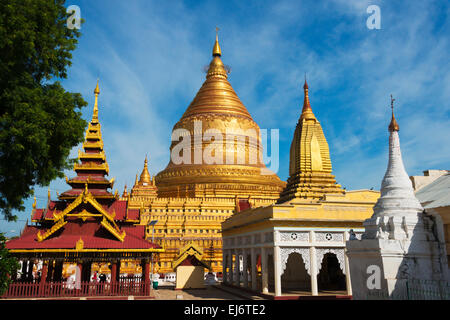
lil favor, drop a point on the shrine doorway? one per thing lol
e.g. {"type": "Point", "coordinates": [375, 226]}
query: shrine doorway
{"type": "Point", "coordinates": [295, 279]}
{"type": "Point", "coordinates": [331, 277]}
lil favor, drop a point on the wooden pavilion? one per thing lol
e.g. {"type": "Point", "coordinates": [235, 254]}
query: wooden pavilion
{"type": "Point", "coordinates": [87, 224]}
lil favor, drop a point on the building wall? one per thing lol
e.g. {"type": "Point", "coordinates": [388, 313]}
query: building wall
{"type": "Point", "coordinates": [182, 220]}
{"type": "Point", "coordinates": [428, 177]}
{"type": "Point", "coordinates": [190, 277]}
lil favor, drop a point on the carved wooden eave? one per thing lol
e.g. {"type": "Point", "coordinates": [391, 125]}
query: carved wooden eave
{"type": "Point", "coordinates": [85, 197]}
{"type": "Point", "coordinates": [58, 225]}
{"type": "Point", "coordinates": [115, 231]}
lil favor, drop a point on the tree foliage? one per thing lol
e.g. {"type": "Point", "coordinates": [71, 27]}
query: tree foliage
{"type": "Point", "coordinates": [40, 122]}
{"type": "Point", "coordinates": [8, 265]}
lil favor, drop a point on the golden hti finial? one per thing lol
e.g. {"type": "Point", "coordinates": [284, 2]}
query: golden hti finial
{"type": "Point", "coordinates": [125, 192]}
{"type": "Point", "coordinates": [216, 49]}
{"type": "Point", "coordinates": [307, 113]}
{"type": "Point", "coordinates": [145, 175]}
{"type": "Point", "coordinates": [95, 114]}
{"type": "Point", "coordinates": [393, 126]}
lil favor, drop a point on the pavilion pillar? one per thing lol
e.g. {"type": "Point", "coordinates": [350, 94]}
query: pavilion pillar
{"type": "Point", "coordinates": [224, 266]}
{"type": "Point", "coordinates": [265, 274]}
{"type": "Point", "coordinates": [113, 276]}
{"type": "Point", "coordinates": [348, 281]}
{"type": "Point", "coordinates": [245, 268]}
{"type": "Point", "coordinates": [118, 270]}
{"type": "Point", "coordinates": [277, 270]}
{"type": "Point", "coordinates": [237, 280]}
{"type": "Point", "coordinates": [146, 275]}
{"type": "Point", "coordinates": [230, 268]}
{"type": "Point", "coordinates": [253, 269]}
{"type": "Point", "coordinates": [43, 278]}
{"type": "Point", "coordinates": [314, 271]}
{"type": "Point", "coordinates": [78, 273]}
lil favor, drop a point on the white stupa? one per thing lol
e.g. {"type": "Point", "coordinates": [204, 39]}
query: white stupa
{"type": "Point", "coordinates": [402, 245]}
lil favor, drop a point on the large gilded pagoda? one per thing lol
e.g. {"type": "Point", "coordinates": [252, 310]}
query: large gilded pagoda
{"type": "Point", "coordinates": [87, 224]}
{"type": "Point", "coordinates": [191, 199]}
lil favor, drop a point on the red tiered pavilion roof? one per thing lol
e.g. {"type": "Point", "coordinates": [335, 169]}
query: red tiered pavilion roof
{"type": "Point", "coordinates": [88, 217]}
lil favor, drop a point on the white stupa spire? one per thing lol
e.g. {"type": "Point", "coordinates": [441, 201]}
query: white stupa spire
{"type": "Point", "coordinates": [403, 240]}
{"type": "Point", "coordinates": [397, 193]}
{"type": "Point", "coordinates": [397, 211]}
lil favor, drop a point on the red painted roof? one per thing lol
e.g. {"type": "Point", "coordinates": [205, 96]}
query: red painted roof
{"type": "Point", "coordinates": [92, 233]}
{"type": "Point", "coordinates": [95, 192]}
{"type": "Point", "coordinates": [37, 214]}
{"type": "Point", "coordinates": [133, 214]}
{"type": "Point", "coordinates": [120, 207]}
{"type": "Point", "coordinates": [99, 177]}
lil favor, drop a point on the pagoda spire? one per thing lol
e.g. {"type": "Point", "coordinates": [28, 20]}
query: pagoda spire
{"type": "Point", "coordinates": [93, 167]}
{"type": "Point", "coordinates": [216, 67]}
{"type": "Point", "coordinates": [145, 175]}
{"type": "Point", "coordinates": [95, 113]}
{"type": "Point", "coordinates": [310, 174]}
{"type": "Point", "coordinates": [216, 94]}
{"type": "Point", "coordinates": [125, 192]}
{"type": "Point", "coordinates": [307, 112]}
{"type": "Point", "coordinates": [397, 194]}
{"type": "Point", "coordinates": [216, 48]}
{"type": "Point", "coordinates": [393, 126]}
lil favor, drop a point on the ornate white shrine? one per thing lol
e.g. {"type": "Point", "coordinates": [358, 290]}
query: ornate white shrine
{"type": "Point", "coordinates": [401, 242]}
{"type": "Point", "coordinates": [281, 242]}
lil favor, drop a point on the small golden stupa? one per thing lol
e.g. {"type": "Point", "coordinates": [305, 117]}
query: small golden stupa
{"type": "Point", "coordinates": [310, 164]}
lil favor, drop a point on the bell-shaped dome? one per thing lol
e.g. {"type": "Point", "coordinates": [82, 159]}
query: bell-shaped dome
{"type": "Point", "coordinates": [216, 148]}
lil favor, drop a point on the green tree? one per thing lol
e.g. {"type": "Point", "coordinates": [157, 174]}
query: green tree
{"type": "Point", "coordinates": [8, 265]}
{"type": "Point", "coordinates": [40, 122]}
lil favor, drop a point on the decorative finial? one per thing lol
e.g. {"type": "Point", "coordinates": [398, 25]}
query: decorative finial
{"type": "Point", "coordinates": [393, 126]}
{"type": "Point", "coordinates": [216, 49]}
{"type": "Point", "coordinates": [125, 191]}
{"type": "Point", "coordinates": [95, 114]}
{"type": "Point", "coordinates": [97, 89]}
{"type": "Point", "coordinates": [145, 178]}
{"type": "Point", "coordinates": [307, 113]}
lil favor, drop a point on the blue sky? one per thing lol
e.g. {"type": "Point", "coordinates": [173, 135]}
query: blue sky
{"type": "Point", "coordinates": [149, 56]}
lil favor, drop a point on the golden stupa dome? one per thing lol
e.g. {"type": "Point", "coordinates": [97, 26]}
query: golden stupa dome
{"type": "Point", "coordinates": [217, 124]}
